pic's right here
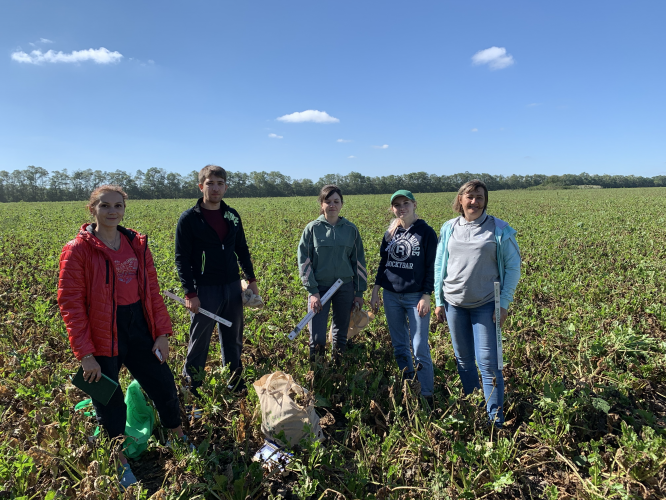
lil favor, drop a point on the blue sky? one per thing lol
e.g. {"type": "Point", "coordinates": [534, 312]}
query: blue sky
{"type": "Point", "coordinates": [499, 87]}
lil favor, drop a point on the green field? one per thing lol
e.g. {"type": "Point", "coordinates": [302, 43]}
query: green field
{"type": "Point", "coordinates": [585, 349]}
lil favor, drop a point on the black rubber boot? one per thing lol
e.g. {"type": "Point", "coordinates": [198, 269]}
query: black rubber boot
{"type": "Point", "coordinates": [317, 351]}
{"type": "Point", "coordinates": [338, 352]}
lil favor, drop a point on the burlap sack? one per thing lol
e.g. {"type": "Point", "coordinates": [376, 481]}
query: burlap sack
{"type": "Point", "coordinates": [281, 413]}
{"type": "Point", "coordinates": [358, 320]}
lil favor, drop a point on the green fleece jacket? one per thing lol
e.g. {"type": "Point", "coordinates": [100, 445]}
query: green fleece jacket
{"type": "Point", "coordinates": [327, 253]}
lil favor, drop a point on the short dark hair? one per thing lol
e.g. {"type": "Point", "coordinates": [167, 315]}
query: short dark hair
{"type": "Point", "coordinates": [209, 170]}
{"type": "Point", "coordinates": [326, 193]}
{"type": "Point", "coordinates": [468, 187]}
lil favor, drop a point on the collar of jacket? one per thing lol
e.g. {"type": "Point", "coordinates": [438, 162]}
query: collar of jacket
{"type": "Point", "coordinates": [341, 220]}
{"type": "Point", "coordinates": [197, 208]}
{"type": "Point", "coordinates": [87, 234]}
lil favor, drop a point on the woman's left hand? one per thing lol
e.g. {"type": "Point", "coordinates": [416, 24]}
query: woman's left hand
{"type": "Point", "coordinates": [358, 303]}
{"type": "Point", "coordinates": [503, 314]}
{"type": "Point", "coordinates": [162, 343]}
{"type": "Point", "coordinates": [423, 307]}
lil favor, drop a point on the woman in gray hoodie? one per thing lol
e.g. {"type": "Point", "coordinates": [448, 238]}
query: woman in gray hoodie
{"type": "Point", "coordinates": [330, 249]}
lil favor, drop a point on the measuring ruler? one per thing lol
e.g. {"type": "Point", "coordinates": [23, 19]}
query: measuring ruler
{"type": "Point", "coordinates": [310, 314]}
{"type": "Point", "coordinates": [202, 311]}
{"type": "Point", "coordinates": [498, 328]}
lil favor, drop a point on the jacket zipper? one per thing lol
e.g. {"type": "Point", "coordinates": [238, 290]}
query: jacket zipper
{"type": "Point", "coordinates": [145, 288]}
{"type": "Point", "coordinates": [113, 316]}
{"type": "Point", "coordinates": [203, 261]}
{"type": "Point", "coordinates": [107, 272]}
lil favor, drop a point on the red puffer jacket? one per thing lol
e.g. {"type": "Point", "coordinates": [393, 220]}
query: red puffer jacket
{"type": "Point", "coordinates": [87, 293]}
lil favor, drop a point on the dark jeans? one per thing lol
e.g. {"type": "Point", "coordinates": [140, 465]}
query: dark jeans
{"type": "Point", "coordinates": [135, 344]}
{"type": "Point", "coordinates": [225, 301]}
{"type": "Point", "coordinates": [342, 301]}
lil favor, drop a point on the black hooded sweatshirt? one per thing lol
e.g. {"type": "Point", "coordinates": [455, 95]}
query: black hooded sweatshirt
{"type": "Point", "coordinates": [407, 260]}
{"type": "Point", "coordinates": [201, 258]}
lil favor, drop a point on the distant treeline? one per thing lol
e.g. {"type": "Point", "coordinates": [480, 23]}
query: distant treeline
{"type": "Point", "coordinates": [37, 184]}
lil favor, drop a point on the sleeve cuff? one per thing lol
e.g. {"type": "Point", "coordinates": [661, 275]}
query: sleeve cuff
{"type": "Point", "coordinates": [191, 295]}
{"type": "Point", "coordinates": [505, 303]}
{"type": "Point", "coordinates": [252, 280]}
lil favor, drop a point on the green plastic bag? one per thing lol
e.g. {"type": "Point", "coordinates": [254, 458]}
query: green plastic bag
{"type": "Point", "coordinates": [82, 406]}
{"type": "Point", "coordinates": [140, 421]}
{"type": "Point", "coordinates": [138, 424]}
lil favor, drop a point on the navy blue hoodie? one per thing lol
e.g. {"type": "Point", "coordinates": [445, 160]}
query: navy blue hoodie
{"type": "Point", "coordinates": [407, 261]}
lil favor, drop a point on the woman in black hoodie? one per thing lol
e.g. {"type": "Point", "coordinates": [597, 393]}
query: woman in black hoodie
{"type": "Point", "coordinates": [407, 275]}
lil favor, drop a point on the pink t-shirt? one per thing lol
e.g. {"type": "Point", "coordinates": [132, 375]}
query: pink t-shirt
{"type": "Point", "coordinates": [126, 265]}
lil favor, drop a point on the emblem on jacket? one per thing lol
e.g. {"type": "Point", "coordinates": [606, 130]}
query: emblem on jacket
{"type": "Point", "coordinates": [231, 217]}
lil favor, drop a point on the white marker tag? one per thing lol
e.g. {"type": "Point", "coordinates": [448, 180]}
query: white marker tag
{"type": "Point", "coordinates": [310, 314]}
{"type": "Point", "coordinates": [202, 311]}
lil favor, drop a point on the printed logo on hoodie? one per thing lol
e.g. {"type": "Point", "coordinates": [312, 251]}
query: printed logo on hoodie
{"type": "Point", "coordinates": [401, 248]}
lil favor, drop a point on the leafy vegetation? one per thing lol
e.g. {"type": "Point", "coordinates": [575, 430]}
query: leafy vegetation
{"type": "Point", "coordinates": [585, 378]}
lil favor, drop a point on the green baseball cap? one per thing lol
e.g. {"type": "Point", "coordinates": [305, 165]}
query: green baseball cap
{"type": "Point", "coordinates": [403, 192]}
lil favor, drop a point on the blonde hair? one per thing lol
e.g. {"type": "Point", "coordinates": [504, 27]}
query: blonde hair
{"type": "Point", "coordinates": [393, 226]}
{"type": "Point", "coordinates": [99, 191]}
{"type": "Point", "coordinates": [468, 187]}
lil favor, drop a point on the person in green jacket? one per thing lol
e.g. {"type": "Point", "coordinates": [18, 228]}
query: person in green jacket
{"type": "Point", "coordinates": [330, 249]}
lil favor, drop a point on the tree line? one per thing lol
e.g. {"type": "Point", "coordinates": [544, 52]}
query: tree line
{"type": "Point", "coordinates": [37, 184]}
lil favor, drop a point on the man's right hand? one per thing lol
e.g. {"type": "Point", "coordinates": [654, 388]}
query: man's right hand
{"type": "Point", "coordinates": [193, 304]}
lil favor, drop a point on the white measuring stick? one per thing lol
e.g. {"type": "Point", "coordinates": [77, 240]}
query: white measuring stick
{"type": "Point", "coordinates": [202, 311]}
{"type": "Point", "coordinates": [310, 314]}
{"type": "Point", "coordinates": [498, 328]}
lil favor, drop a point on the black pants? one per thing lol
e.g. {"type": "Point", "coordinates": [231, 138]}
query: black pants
{"type": "Point", "coordinates": [135, 346]}
{"type": "Point", "coordinates": [225, 301]}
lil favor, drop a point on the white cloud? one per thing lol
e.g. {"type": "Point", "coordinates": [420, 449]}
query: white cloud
{"type": "Point", "coordinates": [385, 146]}
{"type": "Point", "coordinates": [474, 130]}
{"type": "Point", "coordinates": [310, 115]}
{"type": "Point", "coordinates": [41, 40]}
{"type": "Point", "coordinates": [494, 57]}
{"type": "Point", "coordinates": [351, 157]}
{"type": "Point", "coordinates": [275, 136]}
{"type": "Point", "coordinates": [99, 56]}
{"type": "Point", "coordinates": [343, 140]}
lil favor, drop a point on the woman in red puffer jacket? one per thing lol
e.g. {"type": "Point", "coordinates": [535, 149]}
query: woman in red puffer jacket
{"type": "Point", "coordinates": [110, 301]}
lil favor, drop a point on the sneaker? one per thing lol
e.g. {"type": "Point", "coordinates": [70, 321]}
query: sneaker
{"type": "Point", "coordinates": [190, 445]}
{"type": "Point", "coordinates": [127, 477]}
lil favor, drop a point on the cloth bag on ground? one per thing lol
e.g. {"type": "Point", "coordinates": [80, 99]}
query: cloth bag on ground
{"type": "Point", "coordinates": [140, 421]}
{"type": "Point", "coordinates": [281, 413]}
{"type": "Point", "coordinates": [358, 320]}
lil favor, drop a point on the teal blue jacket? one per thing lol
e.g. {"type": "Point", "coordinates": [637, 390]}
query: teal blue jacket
{"type": "Point", "coordinates": [326, 253]}
{"type": "Point", "coordinates": [508, 260]}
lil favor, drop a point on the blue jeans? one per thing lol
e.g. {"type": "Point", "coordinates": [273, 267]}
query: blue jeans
{"type": "Point", "coordinates": [474, 343]}
{"type": "Point", "coordinates": [410, 332]}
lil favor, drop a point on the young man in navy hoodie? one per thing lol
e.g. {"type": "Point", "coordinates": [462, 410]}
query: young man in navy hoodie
{"type": "Point", "coordinates": [210, 246]}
